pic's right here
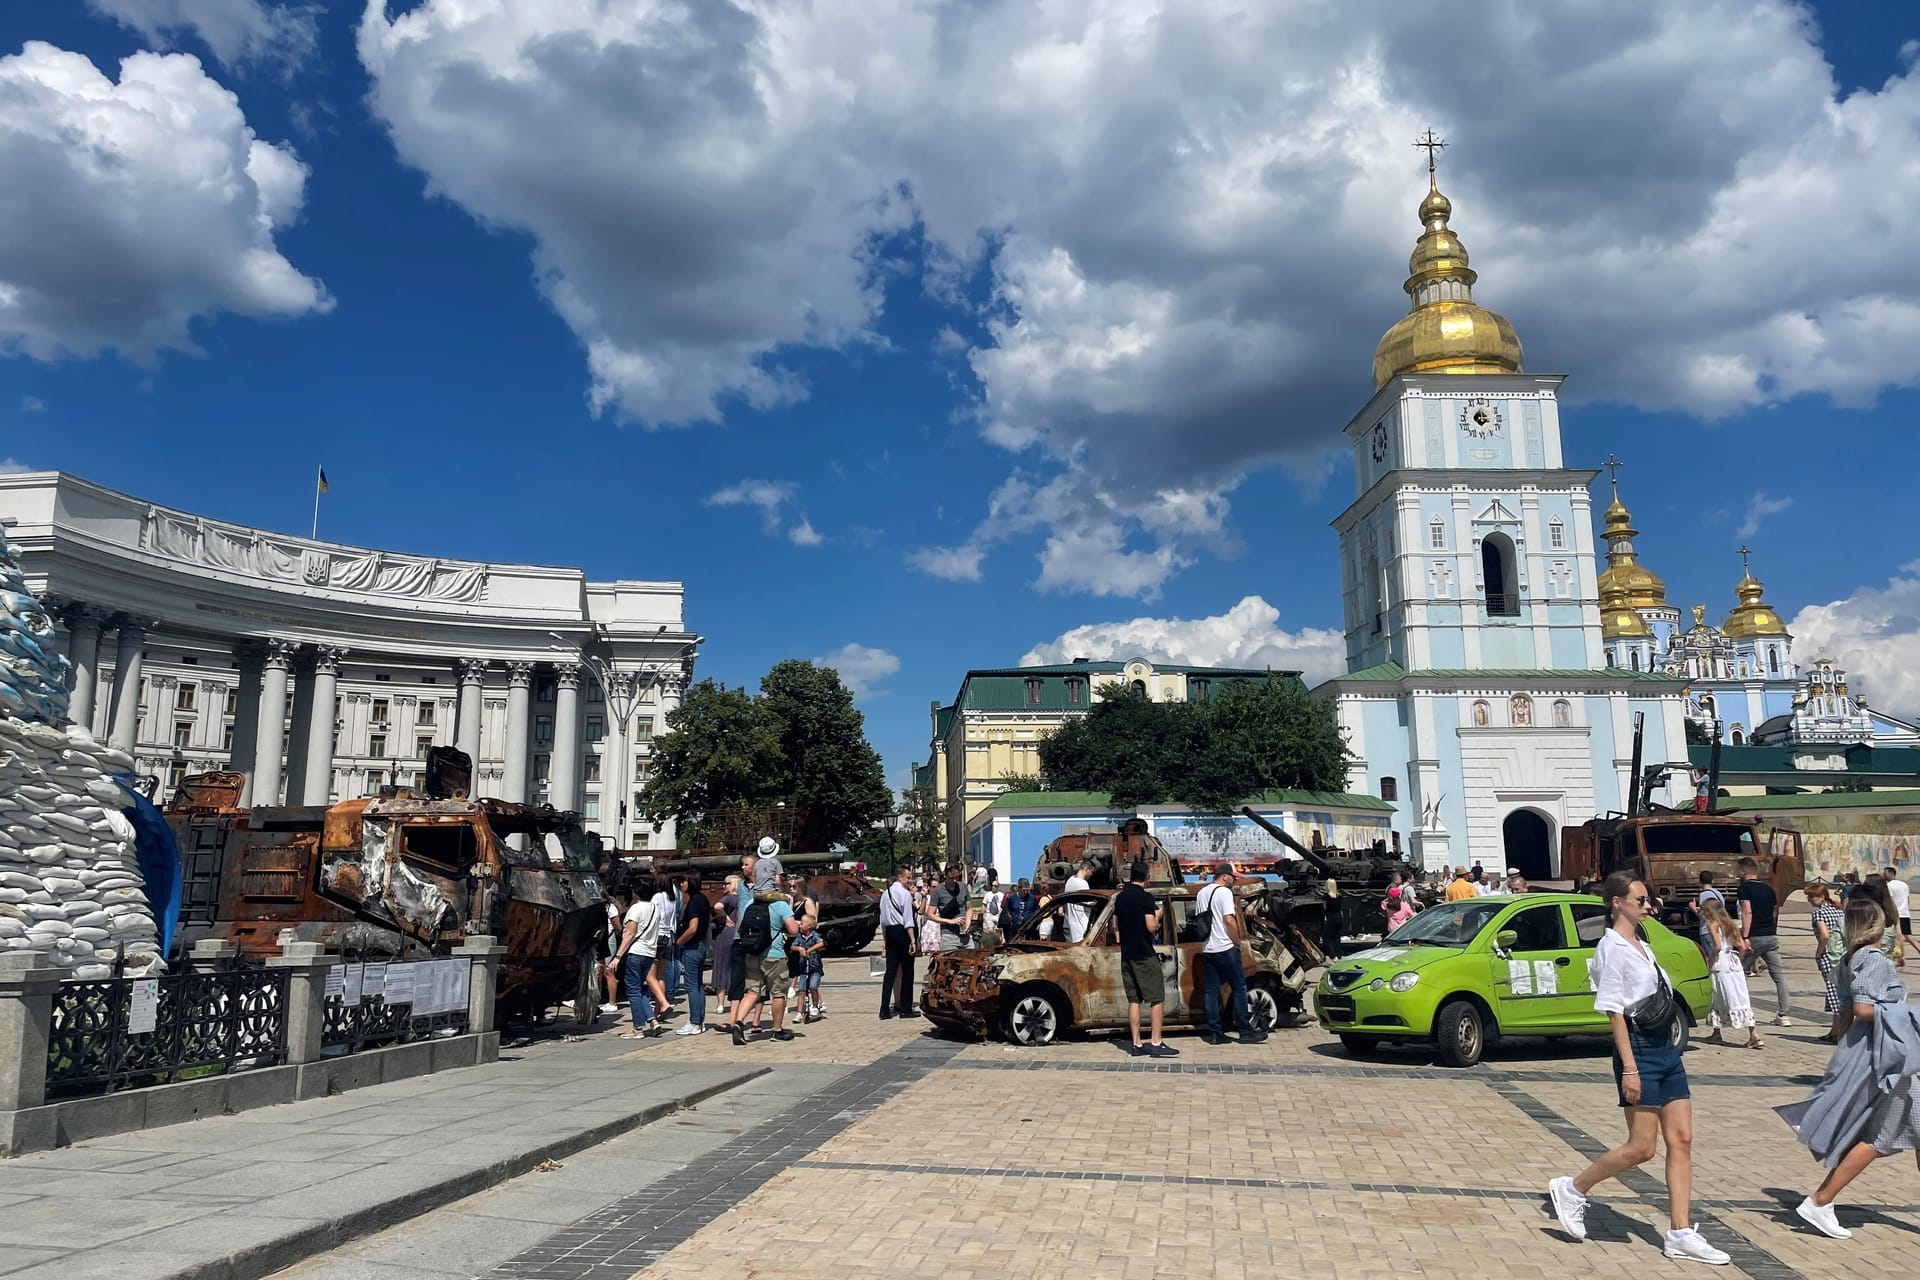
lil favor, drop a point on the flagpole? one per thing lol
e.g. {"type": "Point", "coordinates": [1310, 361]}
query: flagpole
{"type": "Point", "coordinates": [315, 534]}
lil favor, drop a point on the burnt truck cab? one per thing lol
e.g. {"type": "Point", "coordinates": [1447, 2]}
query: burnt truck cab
{"type": "Point", "coordinates": [403, 874]}
{"type": "Point", "coordinates": [1036, 986]}
{"type": "Point", "coordinates": [1669, 850]}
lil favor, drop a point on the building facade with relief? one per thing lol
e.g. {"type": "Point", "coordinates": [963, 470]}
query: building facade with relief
{"type": "Point", "coordinates": [1478, 696]}
{"type": "Point", "coordinates": [324, 671]}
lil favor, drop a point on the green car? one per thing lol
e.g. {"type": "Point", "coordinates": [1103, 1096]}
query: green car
{"type": "Point", "coordinates": [1465, 974]}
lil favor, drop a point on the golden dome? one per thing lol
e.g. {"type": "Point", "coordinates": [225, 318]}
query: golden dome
{"type": "Point", "coordinates": [1619, 620]}
{"type": "Point", "coordinates": [1753, 616]}
{"type": "Point", "coordinates": [1446, 331]}
{"type": "Point", "coordinates": [1641, 585]}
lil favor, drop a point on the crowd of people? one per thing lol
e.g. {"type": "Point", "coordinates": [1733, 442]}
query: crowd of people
{"type": "Point", "coordinates": [1867, 1104]}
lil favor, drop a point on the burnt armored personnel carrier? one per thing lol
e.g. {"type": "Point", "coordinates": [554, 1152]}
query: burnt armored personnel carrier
{"type": "Point", "coordinates": [403, 873]}
{"type": "Point", "coordinates": [1363, 877]}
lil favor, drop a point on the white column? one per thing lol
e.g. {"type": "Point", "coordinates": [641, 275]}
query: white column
{"type": "Point", "coordinates": [320, 720]}
{"type": "Point", "coordinates": [246, 721]}
{"type": "Point", "coordinates": [301, 731]}
{"type": "Point", "coordinates": [563, 774]}
{"type": "Point", "coordinates": [466, 734]}
{"type": "Point", "coordinates": [614, 764]}
{"type": "Point", "coordinates": [276, 664]}
{"type": "Point", "coordinates": [83, 651]}
{"type": "Point", "coordinates": [514, 750]}
{"type": "Point", "coordinates": [126, 683]}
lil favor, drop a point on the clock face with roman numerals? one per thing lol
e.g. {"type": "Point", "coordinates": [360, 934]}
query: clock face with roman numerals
{"type": "Point", "coordinates": [1380, 442]}
{"type": "Point", "coordinates": [1480, 418]}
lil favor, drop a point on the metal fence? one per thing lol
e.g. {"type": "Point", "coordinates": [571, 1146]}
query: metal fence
{"type": "Point", "coordinates": [375, 1002]}
{"type": "Point", "coordinates": [124, 1033]}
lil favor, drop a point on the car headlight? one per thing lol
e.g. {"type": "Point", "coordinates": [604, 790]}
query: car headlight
{"type": "Point", "coordinates": [1404, 981]}
{"type": "Point", "coordinates": [1378, 984]}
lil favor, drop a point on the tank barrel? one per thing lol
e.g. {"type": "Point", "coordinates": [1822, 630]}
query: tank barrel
{"type": "Point", "coordinates": [1319, 863]}
{"type": "Point", "coordinates": [704, 862]}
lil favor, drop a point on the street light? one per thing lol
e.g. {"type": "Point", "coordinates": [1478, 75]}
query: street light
{"type": "Point", "coordinates": [623, 691]}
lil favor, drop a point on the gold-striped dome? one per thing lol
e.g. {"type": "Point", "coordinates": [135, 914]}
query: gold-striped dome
{"type": "Point", "coordinates": [1445, 331]}
{"type": "Point", "coordinates": [1753, 616]}
{"type": "Point", "coordinates": [1641, 585]}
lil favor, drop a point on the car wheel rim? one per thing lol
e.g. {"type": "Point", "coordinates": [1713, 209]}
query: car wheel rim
{"type": "Point", "coordinates": [1033, 1020]}
{"type": "Point", "coordinates": [1469, 1036]}
{"type": "Point", "coordinates": [1261, 1006]}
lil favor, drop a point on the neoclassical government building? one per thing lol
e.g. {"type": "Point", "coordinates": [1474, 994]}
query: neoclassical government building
{"type": "Point", "coordinates": [324, 671]}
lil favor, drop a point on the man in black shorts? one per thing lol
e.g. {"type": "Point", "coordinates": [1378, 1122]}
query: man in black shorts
{"type": "Point", "coordinates": [1138, 916]}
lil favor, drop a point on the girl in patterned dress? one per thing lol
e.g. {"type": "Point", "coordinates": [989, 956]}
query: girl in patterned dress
{"type": "Point", "coordinates": [1868, 1103]}
{"type": "Point", "coordinates": [1829, 936]}
{"type": "Point", "coordinates": [1732, 1004]}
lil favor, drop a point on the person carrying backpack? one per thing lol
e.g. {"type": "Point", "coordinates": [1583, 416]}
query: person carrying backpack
{"type": "Point", "coordinates": [762, 938]}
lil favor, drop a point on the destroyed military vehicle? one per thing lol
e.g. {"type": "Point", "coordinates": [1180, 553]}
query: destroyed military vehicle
{"type": "Point", "coordinates": [400, 874]}
{"type": "Point", "coordinates": [1036, 986]}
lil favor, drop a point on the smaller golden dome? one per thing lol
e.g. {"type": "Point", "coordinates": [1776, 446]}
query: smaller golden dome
{"type": "Point", "coordinates": [1643, 587]}
{"type": "Point", "coordinates": [1445, 331]}
{"type": "Point", "coordinates": [1753, 616]}
{"type": "Point", "coordinates": [1619, 620]}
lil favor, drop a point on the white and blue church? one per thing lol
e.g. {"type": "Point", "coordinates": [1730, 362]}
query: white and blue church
{"type": "Point", "coordinates": [1479, 695]}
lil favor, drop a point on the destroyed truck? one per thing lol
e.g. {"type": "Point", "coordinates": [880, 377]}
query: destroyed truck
{"type": "Point", "coordinates": [401, 874]}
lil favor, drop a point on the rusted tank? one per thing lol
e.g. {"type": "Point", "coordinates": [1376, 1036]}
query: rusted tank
{"type": "Point", "coordinates": [401, 874]}
{"type": "Point", "coordinates": [1110, 852]}
{"type": "Point", "coordinates": [849, 903]}
{"type": "Point", "coordinates": [1363, 877]}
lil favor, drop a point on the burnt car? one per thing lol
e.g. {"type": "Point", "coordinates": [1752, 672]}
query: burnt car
{"type": "Point", "coordinates": [1036, 986]}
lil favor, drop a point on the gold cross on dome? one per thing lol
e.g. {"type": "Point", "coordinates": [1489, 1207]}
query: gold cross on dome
{"type": "Point", "coordinates": [1433, 144]}
{"type": "Point", "coordinates": [1613, 465]}
{"type": "Point", "coordinates": [1744, 565]}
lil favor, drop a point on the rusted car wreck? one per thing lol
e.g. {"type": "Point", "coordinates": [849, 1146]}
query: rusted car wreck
{"type": "Point", "coordinates": [1036, 986]}
{"type": "Point", "coordinates": [401, 874]}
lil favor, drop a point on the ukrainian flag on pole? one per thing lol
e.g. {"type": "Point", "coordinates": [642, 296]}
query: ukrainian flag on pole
{"type": "Point", "coordinates": [319, 487]}
{"type": "Point", "coordinates": [323, 479]}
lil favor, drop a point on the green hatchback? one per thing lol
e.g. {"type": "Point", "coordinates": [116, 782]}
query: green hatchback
{"type": "Point", "coordinates": [1463, 975]}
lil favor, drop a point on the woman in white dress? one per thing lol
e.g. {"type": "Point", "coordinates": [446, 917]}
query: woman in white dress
{"type": "Point", "coordinates": [1732, 1003]}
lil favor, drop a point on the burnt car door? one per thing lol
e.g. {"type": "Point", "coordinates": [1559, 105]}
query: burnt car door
{"type": "Point", "coordinates": [1186, 994]}
{"type": "Point", "coordinates": [1090, 972]}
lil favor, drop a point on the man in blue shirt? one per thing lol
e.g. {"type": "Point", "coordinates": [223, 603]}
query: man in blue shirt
{"type": "Point", "coordinates": [767, 972]}
{"type": "Point", "coordinates": [1017, 909]}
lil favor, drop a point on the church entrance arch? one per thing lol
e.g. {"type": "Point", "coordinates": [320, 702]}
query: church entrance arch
{"type": "Point", "coordinates": [1529, 844]}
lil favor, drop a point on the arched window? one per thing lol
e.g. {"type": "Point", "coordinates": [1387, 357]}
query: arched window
{"type": "Point", "coordinates": [1610, 661]}
{"type": "Point", "coordinates": [1497, 575]}
{"type": "Point", "coordinates": [1482, 713]}
{"type": "Point", "coordinates": [1773, 659]}
{"type": "Point", "coordinates": [1562, 713]}
{"type": "Point", "coordinates": [1372, 588]}
{"type": "Point", "coordinates": [1636, 659]}
{"type": "Point", "coordinates": [1739, 736]}
{"type": "Point", "coordinates": [1389, 789]}
{"type": "Point", "coordinates": [1520, 709]}
{"type": "Point", "coordinates": [1437, 534]}
{"type": "Point", "coordinates": [1556, 535]}
{"type": "Point", "coordinates": [1140, 687]}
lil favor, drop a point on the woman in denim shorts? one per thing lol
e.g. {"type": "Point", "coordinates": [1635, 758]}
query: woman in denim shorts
{"type": "Point", "coordinates": [1647, 1073]}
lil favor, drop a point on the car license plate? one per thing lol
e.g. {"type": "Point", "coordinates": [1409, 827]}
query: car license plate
{"type": "Point", "coordinates": [1340, 1007]}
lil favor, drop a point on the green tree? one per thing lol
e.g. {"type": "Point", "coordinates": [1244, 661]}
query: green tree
{"type": "Point", "coordinates": [1012, 781]}
{"type": "Point", "coordinates": [1697, 734]}
{"type": "Point", "coordinates": [922, 839]}
{"type": "Point", "coordinates": [1253, 736]}
{"type": "Point", "coordinates": [830, 774]}
{"type": "Point", "coordinates": [721, 750]}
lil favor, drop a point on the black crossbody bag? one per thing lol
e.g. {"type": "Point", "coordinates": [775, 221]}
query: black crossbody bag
{"type": "Point", "coordinates": [1652, 1016]}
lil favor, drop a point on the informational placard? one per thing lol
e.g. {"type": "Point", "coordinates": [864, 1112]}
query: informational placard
{"type": "Point", "coordinates": [336, 982]}
{"type": "Point", "coordinates": [373, 982]}
{"type": "Point", "coordinates": [350, 985]}
{"type": "Point", "coordinates": [143, 1008]}
{"type": "Point", "coordinates": [397, 983]}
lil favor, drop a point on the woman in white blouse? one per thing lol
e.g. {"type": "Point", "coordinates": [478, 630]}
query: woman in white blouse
{"type": "Point", "coordinates": [1652, 1082]}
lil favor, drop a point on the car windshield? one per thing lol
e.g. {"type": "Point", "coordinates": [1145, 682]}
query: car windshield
{"type": "Point", "coordinates": [1452, 924]}
{"type": "Point", "coordinates": [1058, 919]}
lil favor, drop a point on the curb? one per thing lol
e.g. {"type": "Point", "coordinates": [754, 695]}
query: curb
{"type": "Point", "coordinates": [307, 1242]}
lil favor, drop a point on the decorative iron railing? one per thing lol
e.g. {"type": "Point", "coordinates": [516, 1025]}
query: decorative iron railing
{"type": "Point", "coordinates": [370, 1003]}
{"type": "Point", "coordinates": [125, 1033]}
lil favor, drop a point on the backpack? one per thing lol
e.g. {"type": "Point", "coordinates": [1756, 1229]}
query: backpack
{"type": "Point", "coordinates": [756, 929]}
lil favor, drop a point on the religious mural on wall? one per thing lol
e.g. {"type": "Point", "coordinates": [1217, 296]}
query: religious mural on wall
{"type": "Point", "coordinates": [1835, 844]}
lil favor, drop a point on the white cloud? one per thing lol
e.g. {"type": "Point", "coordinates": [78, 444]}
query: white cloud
{"type": "Point", "coordinates": [770, 498]}
{"type": "Point", "coordinates": [32, 404]}
{"type": "Point", "coordinates": [1192, 217]}
{"type": "Point", "coordinates": [133, 209]}
{"type": "Point", "coordinates": [1875, 634]}
{"type": "Point", "coordinates": [12, 466]}
{"type": "Point", "coordinates": [237, 31]}
{"type": "Point", "coordinates": [1246, 635]}
{"type": "Point", "coordinates": [1759, 507]}
{"type": "Point", "coordinates": [955, 564]}
{"type": "Point", "coordinates": [863, 669]}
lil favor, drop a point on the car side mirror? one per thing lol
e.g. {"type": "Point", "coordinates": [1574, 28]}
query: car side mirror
{"type": "Point", "coordinates": [1504, 940]}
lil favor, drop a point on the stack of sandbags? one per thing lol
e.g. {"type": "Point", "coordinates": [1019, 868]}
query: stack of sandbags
{"type": "Point", "coordinates": [70, 887]}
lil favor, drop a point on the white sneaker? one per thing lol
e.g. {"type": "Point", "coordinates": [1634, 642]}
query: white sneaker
{"type": "Point", "coordinates": [791, 992]}
{"type": "Point", "coordinates": [1783, 1021]}
{"type": "Point", "coordinates": [1569, 1206]}
{"type": "Point", "coordinates": [609, 1008]}
{"type": "Point", "coordinates": [1823, 1219]}
{"type": "Point", "coordinates": [1686, 1245]}
{"type": "Point", "coordinates": [691, 1029]}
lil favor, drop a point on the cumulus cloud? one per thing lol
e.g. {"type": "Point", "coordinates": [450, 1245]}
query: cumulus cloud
{"type": "Point", "coordinates": [863, 669]}
{"type": "Point", "coordinates": [1247, 635]}
{"type": "Point", "coordinates": [955, 564]}
{"type": "Point", "coordinates": [1191, 218]}
{"type": "Point", "coordinates": [1759, 507]}
{"type": "Point", "coordinates": [32, 404]}
{"type": "Point", "coordinates": [12, 466]}
{"type": "Point", "coordinates": [133, 209]}
{"type": "Point", "coordinates": [237, 31]}
{"type": "Point", "coordinates": [1875, 634]}
{"type": "Point", "coordinates": [771, 498]}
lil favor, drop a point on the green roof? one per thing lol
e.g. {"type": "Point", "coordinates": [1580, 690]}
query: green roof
{"type": "Point", "coordinates": [1394, 671]}
{"type": "Point", "coordinates": [1005, 689]}
{"type": "Point", "coordinates": [1824, 800]}
{"type": "Point", "coordinates": [1291, 796]}
{"type": "Point", "coordinates": [1775, 764]}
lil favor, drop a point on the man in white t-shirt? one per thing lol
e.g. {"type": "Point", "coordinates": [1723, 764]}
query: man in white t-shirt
{"type": "Point", "coordinates": [1221, 957]}
{"type": "Point", "coordinates": [1899, 890]}
{"type": "Point", "coordinates": [1077, 915]}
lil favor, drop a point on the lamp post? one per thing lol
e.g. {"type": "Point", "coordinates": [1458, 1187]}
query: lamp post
{"type": "Point", "coordinates": [624, 690]}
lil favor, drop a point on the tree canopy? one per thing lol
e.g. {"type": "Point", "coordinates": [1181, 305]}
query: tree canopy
{"type": "Point", "coordinates": [1252, 736]}
{"type": "Point", "coordinates": [799, 742]}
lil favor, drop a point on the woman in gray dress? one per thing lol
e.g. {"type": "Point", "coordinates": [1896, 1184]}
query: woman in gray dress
{"type": "Point", "coordinates": [1868, 1103]}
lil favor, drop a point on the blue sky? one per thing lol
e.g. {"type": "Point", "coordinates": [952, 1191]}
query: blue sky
{"type": "Point", "coordinates": [995, 313]}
